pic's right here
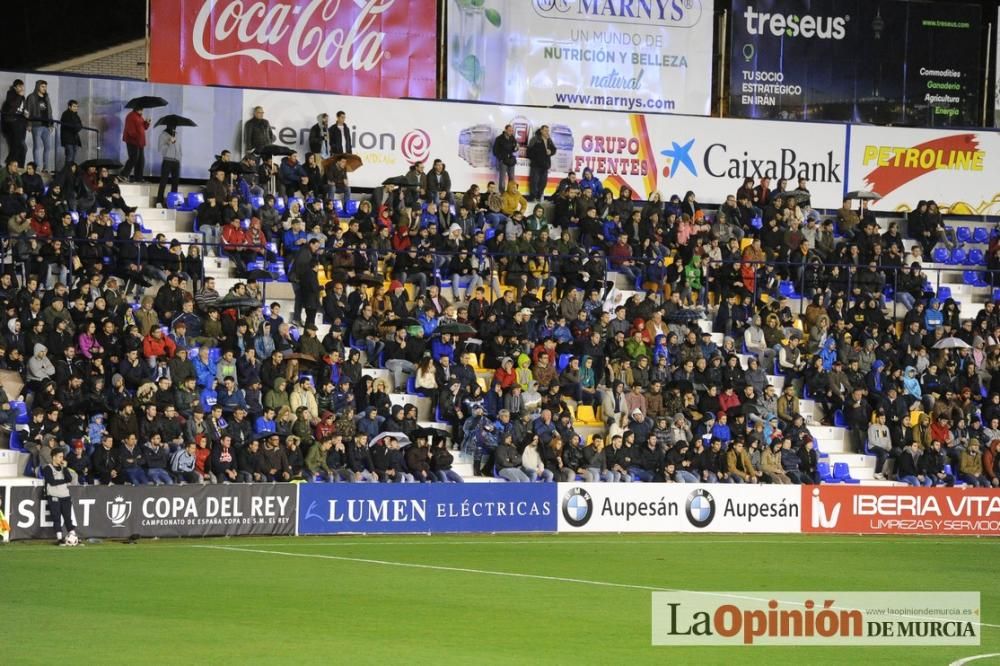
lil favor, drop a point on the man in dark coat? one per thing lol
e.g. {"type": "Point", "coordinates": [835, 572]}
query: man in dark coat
{"type": "Point", "coordinates": [505, 150]}
{"type": "Point", "coordinates": [305, 283]}
{"type": "Point", "coordinates": [540, 152]}
{"type": "Point", "coordinates": [69, 130]}
{"type": "Point", "coordinates": [14, 122]}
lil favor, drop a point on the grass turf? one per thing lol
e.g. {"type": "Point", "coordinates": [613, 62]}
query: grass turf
{"type": "Point", "coordinates": [175, 601]}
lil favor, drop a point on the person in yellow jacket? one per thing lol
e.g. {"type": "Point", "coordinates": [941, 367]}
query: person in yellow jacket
{"type": "Point", "coordinates": [970, 466]}
{"type": "Point", "coordinates": [512, 201]}
{"type": "Point", "coordinates": [738, 464]}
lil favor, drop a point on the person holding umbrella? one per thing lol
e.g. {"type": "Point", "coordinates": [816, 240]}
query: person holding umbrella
{"type": "Point", "coordinates": [134, 136]}
{"type": "Point", "coordinates": [170, 166]}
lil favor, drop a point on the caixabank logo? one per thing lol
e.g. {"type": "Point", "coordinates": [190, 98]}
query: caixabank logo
{"type": "Point", "coordinates": [577, 507]}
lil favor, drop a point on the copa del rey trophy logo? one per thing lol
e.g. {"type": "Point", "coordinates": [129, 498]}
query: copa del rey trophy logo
{"type": "Point", "coordinates": [118, 511]}
{"type": "Point", "coordinates": [303, 28]}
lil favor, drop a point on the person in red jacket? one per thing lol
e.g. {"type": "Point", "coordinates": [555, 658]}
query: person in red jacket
{"type": "Point", "coordinates": [234, 245]}
{"type": "Point", "coordinates": [156, 346]}
{"type": "Point", "coordinates": [134, 136]}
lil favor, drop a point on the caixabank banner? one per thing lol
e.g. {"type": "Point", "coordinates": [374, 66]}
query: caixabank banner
{"type": "Point", "coordinates": [680, 507]}
{"type": "Point", "coordinates": [900, 510]}
{"type": "Point", "coordinates": [380, 48]}
{"type": "Point", "coordinates": [160, 511]}
{"type": "Point", "coordinates": [883, 62]}
{"type": "Point", "coordinates": [342, 508]}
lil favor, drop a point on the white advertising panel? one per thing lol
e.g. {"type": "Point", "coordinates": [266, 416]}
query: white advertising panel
{"type": "Point", "coordinates": [678, 507]}
{"type": "Point", "coordinates": [648, 153]}
{"type": "Point", "coordinates": [598, 54]}
{"type": "Point", "coordinates": [955, 168]}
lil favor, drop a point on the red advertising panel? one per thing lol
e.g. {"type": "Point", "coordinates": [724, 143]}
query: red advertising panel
{"type": "Point", "coordinates": [900, 510]}
{"type": "Point", "coordinates": [374, 48]}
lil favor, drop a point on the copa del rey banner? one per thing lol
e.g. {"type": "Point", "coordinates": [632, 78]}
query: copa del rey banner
{"type": "Point", "coordinates": [376, 48]}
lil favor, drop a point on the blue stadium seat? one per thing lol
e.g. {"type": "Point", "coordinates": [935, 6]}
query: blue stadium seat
{"type": "Point", "coordinates": [957, 256]}
{"type": "Point", "coordinates": [958, 481]}
{"type": "Point", "coordinates": [195, 199]}
{"type": "Point", "coordinates": [969, 277]}
{"type": "Point", "coordinates": [974, 257]}
{"type": "Point", "coordinates": [996, 293]}
{"type": "Point", "coordinates": [116, 218]}
{"type": "Point", "coordinates": [175, 200]}
{"type": "Point", "coordinates": [981, 235]}
{"type": "Point", "coordinates": [943, 293]}
{"type": "Point", "coordinates": [842, 473]}
{"type": "Point", "coordinates": [338, 205]}
{"type": "Point", "coordinates": [15, 442]}
{"type": "Point", "coordinates": [963, 234]}
{"type": "Point", "coordinates": [21, 409]}
{"type": "Point", "coordinates": [352, 207]}
{"type": "Point", "coordinates": [214, 354]}
{"type": "Point", "coordinates": [279, 204]}
{"type": "Point", "coordinates": [257, 201]}
{"type": "Point", "coordinates": [75, 216]}
{"type": "Point", "coordinates": [838, 419]}
{"type": "Point", "coordinates": [940, 255]}
{"type": "Point", "coordinates": [490, 233]}
{"type": "Point", "coordinates": [787, 289]}
{"type": "Point", "coordinates": [823, 471]}
{"type": "Point", "coordinates": [298, 200]}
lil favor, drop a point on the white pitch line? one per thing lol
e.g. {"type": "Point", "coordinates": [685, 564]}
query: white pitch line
{"type": "Point", "coordinates": [977, 657]}
{"type": "Point", "coordinates": [504, 574]}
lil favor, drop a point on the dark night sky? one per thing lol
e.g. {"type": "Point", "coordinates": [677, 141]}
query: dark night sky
{"type": "Point", "coordinates": [40, 32]}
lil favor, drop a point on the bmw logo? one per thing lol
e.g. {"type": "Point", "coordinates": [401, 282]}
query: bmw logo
{"type": "Point", "coordinates": [577, 507]}
{"type": "Point", "coordinates": [700, 508]}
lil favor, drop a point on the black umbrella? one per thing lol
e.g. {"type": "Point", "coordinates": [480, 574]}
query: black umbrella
{"type": "Point", "coordinates": [365, 279]}
{"type": "Point", "coordinates": [145, 102]}
{"type": "Point", "coordinates": [401, 181]}
{"type": "Point", "coordinates": [863, 195]}
{"type": "Point", "coordinates": [100, 163]}
{"type": "Point", "coordinates": [230, 168]}
{"type": "Point", "coordinates": [264, 435]}
{"type": "Point", "coordinates": [275, 149]}
{"type": "Point", "coordinates": [798, 195]}
{"type": "Point", "coordinates": [403, 321]}
{"type": "Point", "coordinates": [173, 120]}
{"type": "Point", "coordinates": [456, 329]}
{"type": "Point", "coordinates": [430, 432]}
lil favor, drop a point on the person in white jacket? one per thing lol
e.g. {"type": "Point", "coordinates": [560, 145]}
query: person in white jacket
{"type": "Point", "coordinates": [531, 462]}
{"type": "Point", "coordinates": [879, 443]}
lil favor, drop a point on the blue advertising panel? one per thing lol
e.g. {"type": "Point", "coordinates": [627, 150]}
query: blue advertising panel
{"type": "Point", "coordinates": [337, 508]}
{"type": "Point", "coordinates": [881, 62]}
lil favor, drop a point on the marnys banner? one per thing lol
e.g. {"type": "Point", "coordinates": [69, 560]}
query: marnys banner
{"type": "Point", "coordinates": [709, 156]}
{"type": "Point", "coordinates": [656, 507]}
{"type": "Point", "coordinates": [957, 169]}
{"type": "Point", "coordinates": [160, 511]}
{"type": "Point", "coordinates": [380, 48]}
{"type": "Point", "coordinates": [899, 510]}
{"type": "Point", "coordinates": [335, 508]}
{"type": "Point", "coordinates": [610, 54]}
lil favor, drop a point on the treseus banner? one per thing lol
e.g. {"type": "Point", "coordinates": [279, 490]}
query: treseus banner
{"type": "Point", "coordinates": [655, 507]}
{"type": "Point", "coordinates": [378, 48]}
{"type": "Point", "coordinates": [900, 510]}
{"type": "Point", "coordinates": [335, 508]}
{"type": "Point", "coordinates": [597, 54]}
{"type": "Point", "coordinates": [886, 62]}
{"type": "Point", "coordinates": [160, 511]}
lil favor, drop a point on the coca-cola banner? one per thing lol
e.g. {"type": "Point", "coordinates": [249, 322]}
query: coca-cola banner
{"type": "Point", "coordinates": [376, 48]}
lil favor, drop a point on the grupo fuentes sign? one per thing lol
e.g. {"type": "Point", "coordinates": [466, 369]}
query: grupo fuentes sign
{"type": "Point", "coordinates": [380, 48]}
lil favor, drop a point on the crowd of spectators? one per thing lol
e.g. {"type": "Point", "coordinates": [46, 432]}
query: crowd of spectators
{"type": "Point", "coordinates": [497, 311]}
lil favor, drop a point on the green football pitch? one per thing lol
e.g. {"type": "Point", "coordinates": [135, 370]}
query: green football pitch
{"type": "Point", "coordinates": [450, 599]}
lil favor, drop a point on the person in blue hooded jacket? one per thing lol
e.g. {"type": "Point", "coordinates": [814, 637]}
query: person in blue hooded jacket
{"type": "Point", "coordinates": [912, 391]}
{"type": "Point", "coordinates": [875, 381]}
{"type": "Point", "coordinates": [588, 182]}
{"type": "Point", "coordinates": [204, 368]}
{"type": "Point", "coordinates": [933, 317]}
{"type": "Point", "coordinates": [829, 354]}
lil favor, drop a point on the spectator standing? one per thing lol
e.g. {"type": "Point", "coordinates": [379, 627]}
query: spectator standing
{"type": "Point", "coordinates": [134, 136]}
{"type": "Point", "coordinates": [505, 150]}
{"type": "Point", "coordinates": [14, 123]}
{"type": "Point", "coordinates": [170, 167]}
{"type": "Point", "coordinates": [39, 106]}
{"type": "Point", "coordinates": [257, 132]}
{"type": "Point", "coordinates": [57, 479]}
{"type": "Point", "coordinates": [340, 135]}
{"type": "Point", "coordinates": [540, 152]}
{"type": "Point", "coordinates": [70, 126]}
{"type": "Point", "coordinates": [319, 136]}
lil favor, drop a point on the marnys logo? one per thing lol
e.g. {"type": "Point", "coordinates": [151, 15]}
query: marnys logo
{"type": "Point", "coordinates": [668, 13]}
{"type": "Point", "coordinates": [357, 48]}
{"type": "Point", "coordinates": [794, 25]}
{"type": "Point", "coordinates": [118, 511]}
{"type": "Point", "coordinates": [820, 516]}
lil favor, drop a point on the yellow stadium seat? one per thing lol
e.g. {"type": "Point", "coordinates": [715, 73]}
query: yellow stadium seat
{"type": "Point", "coordinates": [587, 415]}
